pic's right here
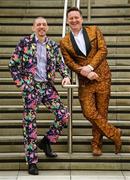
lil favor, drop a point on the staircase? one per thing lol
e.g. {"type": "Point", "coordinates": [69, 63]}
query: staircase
{"type": "Point", "coordinates": [113, 18]}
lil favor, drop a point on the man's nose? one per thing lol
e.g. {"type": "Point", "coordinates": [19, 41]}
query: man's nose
{"type": "Point", "coordinates": [74, 20]}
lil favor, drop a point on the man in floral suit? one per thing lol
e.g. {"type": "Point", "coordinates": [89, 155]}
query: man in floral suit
{"type": "Point", "coordinates": [33, 65]}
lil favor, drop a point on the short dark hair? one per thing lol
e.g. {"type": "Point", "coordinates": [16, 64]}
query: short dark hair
{"type": "Point", "coordinates": [74, 9]}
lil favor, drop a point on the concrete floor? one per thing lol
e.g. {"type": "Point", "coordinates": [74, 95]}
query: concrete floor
{"type": "Point", "coordinates": [66, 175]}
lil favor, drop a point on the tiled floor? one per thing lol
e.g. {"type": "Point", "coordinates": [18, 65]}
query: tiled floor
{"type": "Point", "coordinates": [66, 175]}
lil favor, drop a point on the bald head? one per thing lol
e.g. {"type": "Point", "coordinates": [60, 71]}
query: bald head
{"type": "Point", "coordinates": [39, 18]}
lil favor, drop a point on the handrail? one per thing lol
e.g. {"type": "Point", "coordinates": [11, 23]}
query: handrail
{"type": "Point", "coordinates": [69, 89]}
{"type": "Point", "coordinates": [89, 10]}
{"type": "Point", "coordinates": [78, 4]}
{"type": "Point", "coordinates": [64, 18]}
{"type": "Point", "coordinates": [76, 85]}
{"type": "Point", "coordinates": [71, 86]}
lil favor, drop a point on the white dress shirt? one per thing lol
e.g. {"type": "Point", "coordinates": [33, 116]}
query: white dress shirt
{"type": "Point", "coordinates": [81, 44]}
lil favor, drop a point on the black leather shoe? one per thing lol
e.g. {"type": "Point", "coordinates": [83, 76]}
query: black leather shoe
{"type": "Point", "coordinates": [32, 169]}
{"type": "Point", "coordinates": [44, 144]}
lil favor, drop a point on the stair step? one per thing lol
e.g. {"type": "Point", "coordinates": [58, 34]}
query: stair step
{"type": "Point", "coordinates": [56, 30]}
{"type": "Point", "coordinates": [59, 20]}
{"type": "Point", "coordinates": [38, 11]}
{"type": "Point", "coordinates": [118, 57]}
{"type": "Point", "coordinates": [46, 122]}
{"type": "Point", "coordinates": [49, 3]}
{"type": "Point", "coordinates": [111, 2]}
{"type": "Point", "coordinates": [117, 86]}
{"type": "Point", "coordinates": [63, 148]}
{"type": "Point", "coordinates": [15, 108]}
{"type": "Point", "coordinates": [115, 41]}
{"type": "Point", "coordinates": [117, 61]}
{"type": "Point", "coordinates": [75, 94]}
{"type": "Point", "coordinates": [120, 71]}
{"type": "Point", "coordinates": [6, 52]}
{"type": "Point", "coordinates": [82, 129]}
{"type": "Point", "coordinates": [16, 115]}
{"type": "Point", "coordinates": [116, 73]}
{"type": "Point", "coordinates": [79, 144]}
{"type": "Point", "coordinates": [77, 161]}
{"type": "Point", "coordinates": [17, 100]}
{"type": "Point", "coordinates": [112, 67]}
{"type": "Point", "coordinates": [76, 139]}
{"type": "Point", "coordinates": [119, 80]}
{"type": "Point", "coordinates": [32, 4]}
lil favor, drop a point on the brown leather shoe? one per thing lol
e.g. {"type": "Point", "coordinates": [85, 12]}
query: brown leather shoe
{"type": "Point", "coordinates": [118, 142]}
{"type": "Point", "coordinates": [96, 150]}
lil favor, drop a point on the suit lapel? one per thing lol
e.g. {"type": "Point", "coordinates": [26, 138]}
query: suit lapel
{"type": "Point", "coordinates": [75, 46]}
{"type": "Point", "coordinates": [33, 46]}
{"type": "Point", "coordinates": [87, 43]}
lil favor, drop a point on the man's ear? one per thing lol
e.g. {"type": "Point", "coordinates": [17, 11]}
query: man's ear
{"type": "Point", "coordinates": [47, 27]}
{"type": "Point", "coordinates": [33, 29]}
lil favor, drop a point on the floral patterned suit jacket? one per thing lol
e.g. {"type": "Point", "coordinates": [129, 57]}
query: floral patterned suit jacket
{"type": "Point", "coordinates": [96, 53]}
{"type": "Point", "coordinates": [23, 61]}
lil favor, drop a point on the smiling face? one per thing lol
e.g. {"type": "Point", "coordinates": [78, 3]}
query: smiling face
{"type": "Point", "coordinates": [75, 20]}
{"type": "Point", "coordinates": [40, 27]}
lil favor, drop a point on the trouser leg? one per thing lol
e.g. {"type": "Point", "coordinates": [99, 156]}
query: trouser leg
{"type": "Point", "coordinates": [102, 102]}
{"type": "Point", "coordinates": [97, 119]}
{"type": "Point", "coordinates": [91, 112]}
{"type": "Point", "coordinates": [29, 126]}
{"type": "Point", "coordinates": [53, 102]}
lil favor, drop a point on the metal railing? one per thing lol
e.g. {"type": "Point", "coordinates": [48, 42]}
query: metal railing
{"type": "Point", "coordinates": [89, 11]}
{"type": "Point", "coordinates": [71, 86]}
{"type": "Point", "coordinates": [64, 18]}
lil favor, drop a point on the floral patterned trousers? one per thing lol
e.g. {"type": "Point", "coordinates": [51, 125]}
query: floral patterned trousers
{"type": "Point", "coordinates": [32, 97]}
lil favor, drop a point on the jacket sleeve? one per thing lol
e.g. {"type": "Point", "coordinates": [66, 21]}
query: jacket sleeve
{"type": "Point", "coordinates": [15, 65]}
{"type": "Point", "coordinates": [68, 59]}
{"type": "Point", "coordinates": [101, 49]}
{"type": "Point", "coordinates": [60, 65]}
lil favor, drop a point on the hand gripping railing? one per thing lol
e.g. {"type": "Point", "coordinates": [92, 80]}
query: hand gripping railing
{"type": "Point", "coordinates": [71, 86]}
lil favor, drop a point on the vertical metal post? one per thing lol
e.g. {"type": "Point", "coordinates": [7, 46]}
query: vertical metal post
{"type": "Point", "coordinates": [69, 89]}
{"type": "Point", "coordinates": [78, 4]}
{"type": "Point", "coordinates": [70, 99]}
{"type": "Point", "coordinates": [64, 18]}
{"type": "Point", "coordinates": [89, 10]}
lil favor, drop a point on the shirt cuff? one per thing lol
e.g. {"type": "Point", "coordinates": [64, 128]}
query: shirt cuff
{"type": "Point", "coordinates": [91, 67]}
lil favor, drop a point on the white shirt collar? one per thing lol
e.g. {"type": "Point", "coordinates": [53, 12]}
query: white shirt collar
{"type": "Point", "coordinates": [80, 32]}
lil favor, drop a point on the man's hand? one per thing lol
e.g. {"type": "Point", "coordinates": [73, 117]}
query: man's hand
{"type": "Point", "coordinates": [66, 81]}
{"type": "Point", "coordinates": [85, 70]}
{"type": "Point", "coordinates": [92, 76]}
